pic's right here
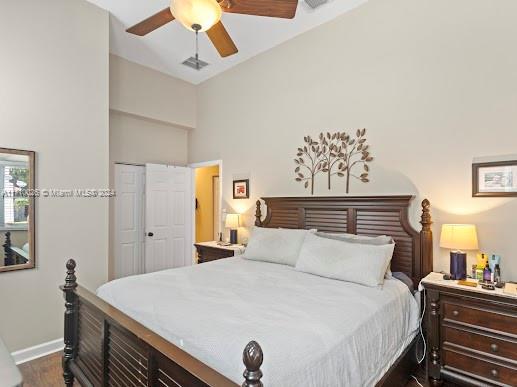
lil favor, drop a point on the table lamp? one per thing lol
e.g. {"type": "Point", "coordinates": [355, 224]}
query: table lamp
{"type": "Point", "coordinates": [232, 222]}
{"type": "Point", "coordinates": [458, 237]}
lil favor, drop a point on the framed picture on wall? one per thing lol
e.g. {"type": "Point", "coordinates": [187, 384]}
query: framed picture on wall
{"type": "Point", "coordinates": [241, 189]}
{"type": "Point", "coordinates": [494, 179]}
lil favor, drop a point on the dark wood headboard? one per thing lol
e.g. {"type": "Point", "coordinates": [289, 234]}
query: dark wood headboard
{"type": "Point", "coordinates": [364, 215]}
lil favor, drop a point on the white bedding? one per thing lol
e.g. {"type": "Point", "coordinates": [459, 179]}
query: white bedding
{"type": "Point", "coordinates": [314, 331]}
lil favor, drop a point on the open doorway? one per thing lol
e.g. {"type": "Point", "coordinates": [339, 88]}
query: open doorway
{"type": "Point", "coordinates": [207, 190]}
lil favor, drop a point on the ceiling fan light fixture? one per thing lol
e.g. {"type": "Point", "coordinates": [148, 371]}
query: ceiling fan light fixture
{"type": "Point", "coordinates": [204, 13]}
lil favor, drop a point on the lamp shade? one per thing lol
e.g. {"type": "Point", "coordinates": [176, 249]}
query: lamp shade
{"type": "Point", "coordinates": [205, 13]}
{"type": "Point", "coordinates": [232, 221]}
{"type": "Point", "coordinates": [459, 237]}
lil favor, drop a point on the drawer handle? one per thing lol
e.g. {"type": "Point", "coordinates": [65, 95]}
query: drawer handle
{"type": "Point", "coordinates": [455, 313]}
{"type": "Point", "coordinates": [494, 347]}
{"type": "Point", "coordinates": [494, 373]}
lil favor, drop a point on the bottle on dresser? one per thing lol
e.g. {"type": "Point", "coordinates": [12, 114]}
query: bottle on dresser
{"type": "Point", "coordinates": [487, 274]}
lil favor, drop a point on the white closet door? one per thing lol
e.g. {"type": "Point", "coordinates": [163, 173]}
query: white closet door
{"type": "Point", "coordinates": [168, 217]}
{"type": "Point", "coordinates": [128, 222]}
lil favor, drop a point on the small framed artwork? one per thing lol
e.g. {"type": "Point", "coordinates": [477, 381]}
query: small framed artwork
{"type": "Point", "coordinates": [241, 189]}
{"type": "Point", "coordinates": [494, 179]}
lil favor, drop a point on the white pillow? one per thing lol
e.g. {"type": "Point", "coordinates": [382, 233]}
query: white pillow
{"type": "Point", "coordinates": [352, 262]}
{"type": "Point", "coordinates": [362, 239]}
{"type": "Point", "coordinates": [276, 245]}
{"type": "Point", "coordinates": [353, 238]}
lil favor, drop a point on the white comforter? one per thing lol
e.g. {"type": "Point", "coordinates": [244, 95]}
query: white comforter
{"type": "Point", "coordinates": [313, 331]}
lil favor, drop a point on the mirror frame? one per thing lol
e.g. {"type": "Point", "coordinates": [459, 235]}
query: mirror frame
{"type": "Point", "coordinates": [32, 224]}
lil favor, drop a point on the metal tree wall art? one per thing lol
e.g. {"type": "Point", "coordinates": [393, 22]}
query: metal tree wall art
{"type": "Point", "coordinates": [308, 163]}
{"type": "Point", "coordinates": [334, 154]}
{"type": "Point", "coordinates": [357, 153]}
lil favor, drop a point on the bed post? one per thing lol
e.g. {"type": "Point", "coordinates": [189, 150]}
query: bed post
{"type": "Point", "coordinates": [70, 336]}
{"type": "Point", "coordinates": [426, 240]}
{"type": "Point", "coordinates": [8, 253]}
{"type": "Point", "coordinates": [258, 214]}
{"type": "Point", "coordinates": [252, 358]}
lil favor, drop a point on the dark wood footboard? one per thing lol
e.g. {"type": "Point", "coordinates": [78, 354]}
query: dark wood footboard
{"type": "Point", "coordinates": [105, 347]}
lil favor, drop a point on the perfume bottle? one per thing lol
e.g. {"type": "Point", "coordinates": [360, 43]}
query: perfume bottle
{"type": "Point", "coordinates": [479, 273]}
{"type": "Point", "coordinates": [473, 273]}
{"type": "Point", "coordinates": [494, 260]}
{"type": "Point", "coordinates": [497, 274]}
{"type": "Point", "coordinates": [487, 274]}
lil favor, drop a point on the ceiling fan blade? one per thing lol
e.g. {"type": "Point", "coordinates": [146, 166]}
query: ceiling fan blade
{"type": "Point", "coordinates": [151, 23]}
{"type": "Point", "coordinates": [273, 8]}
{"type": "Point", "coordinates": [222, 40]}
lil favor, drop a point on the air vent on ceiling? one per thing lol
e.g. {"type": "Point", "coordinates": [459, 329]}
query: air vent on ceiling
{"type": "Point", "coordinates": [315, 3]}
{"type": "Point", "coordinates": [194, 63]}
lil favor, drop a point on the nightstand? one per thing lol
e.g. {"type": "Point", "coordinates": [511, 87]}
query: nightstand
{"type": "Point", "coordinates": [471, 334]}
{"type": "Point", "coordinates": [211, 251]}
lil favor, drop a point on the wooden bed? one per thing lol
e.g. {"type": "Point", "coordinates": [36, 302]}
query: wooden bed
{"type": "Point", "coordinates": [105, 347]}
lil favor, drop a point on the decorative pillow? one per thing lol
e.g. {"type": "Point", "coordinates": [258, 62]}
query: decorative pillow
{"type": "Point", "coordinates": [353, 238]}
{"type": "Point", "coordinates": [352, 262]}
{"type": "Point", "coordinates": [362, 239]}
{"type": "Point", "coordinates": [405, 279]}
{"type": "Point", "coordinates": [276, 245]}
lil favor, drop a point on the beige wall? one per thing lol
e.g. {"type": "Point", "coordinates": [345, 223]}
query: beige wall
{"type": "Point", "coordinates": [149, 119]}
{"type": "Point", "coordinates": [54, 100]}
{"type": "Point", "coordinates": [141, 140]}
{"type": "Point", "coordinates": [145, 92]}
{"type": "Point", "coordinates": [433, 81]}
{"type": "Point", "coordinates": [205, 197]}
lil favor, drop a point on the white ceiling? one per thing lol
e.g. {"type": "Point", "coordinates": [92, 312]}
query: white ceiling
{"type": "Point", "coordinates": [168, 46]}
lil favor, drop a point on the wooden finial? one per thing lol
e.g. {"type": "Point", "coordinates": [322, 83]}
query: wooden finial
{"type": "Point", "coordinates": [71, 279]}
{"type": "Point", "coordinates": [252, 358]}
{"type": "Point", "coordinates": [258, 214]}
{"type": "Point", "coordinates": [426, 221]}
{"type": "Point", "coordinates": [426, 240]}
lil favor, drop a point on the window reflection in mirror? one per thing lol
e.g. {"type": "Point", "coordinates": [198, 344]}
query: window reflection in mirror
{"type": "Point", "coordinates": [16, 209]}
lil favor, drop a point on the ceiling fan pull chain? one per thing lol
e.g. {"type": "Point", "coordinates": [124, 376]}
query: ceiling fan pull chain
{"type": "Point", "coordinates": [197, 28]}
{"type": "Point", "coordinates": [197, 50]}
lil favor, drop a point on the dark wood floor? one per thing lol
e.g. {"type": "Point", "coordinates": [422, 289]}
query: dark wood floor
{"type": "Point", "coordinates": [46, 372]}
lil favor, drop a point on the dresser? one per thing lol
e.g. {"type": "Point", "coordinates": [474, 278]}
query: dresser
{"type": "Point", "coordinates": [211, 251]}
{"type": "Point", "coordinates": [471, 334]}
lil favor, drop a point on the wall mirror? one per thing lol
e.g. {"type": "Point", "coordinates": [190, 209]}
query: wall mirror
{"type": "Point", "coordinates": [17, 210]}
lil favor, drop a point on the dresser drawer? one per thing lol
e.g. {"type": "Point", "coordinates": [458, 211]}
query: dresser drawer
{"type": "Point", "coordinates": [480, 317]}
{"type": "Point", "coordinates": [488, 344]}
{"type": "Point", "coordinates": [496, 373]}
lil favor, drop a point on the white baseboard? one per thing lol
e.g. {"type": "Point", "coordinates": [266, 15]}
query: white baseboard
{"type": "Point", "coordinates": [28, 354]}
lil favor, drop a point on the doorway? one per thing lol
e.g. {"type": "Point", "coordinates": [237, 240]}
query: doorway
{"type": "Point", "coordinates": [207, 190]}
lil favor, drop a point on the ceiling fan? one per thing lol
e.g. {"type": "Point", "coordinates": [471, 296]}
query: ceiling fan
{"type": "Point", "coordinates": [205, 15]}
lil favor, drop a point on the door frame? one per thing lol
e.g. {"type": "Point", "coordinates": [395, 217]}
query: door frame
{"type": "Point", "coordinates": [195, 166]}
{"type": "Point", "coordinates": [216, 205]}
